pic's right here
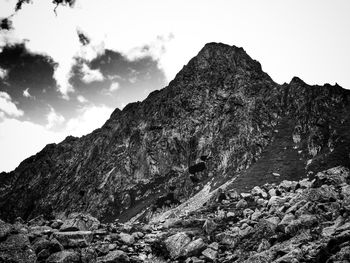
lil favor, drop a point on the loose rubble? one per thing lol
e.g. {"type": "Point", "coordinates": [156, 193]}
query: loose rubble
{"type": "Point", "coordinates": [304, 221]}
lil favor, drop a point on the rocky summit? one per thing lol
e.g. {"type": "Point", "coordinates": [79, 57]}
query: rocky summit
{"type": "Point", "coordinates": [222, 165]}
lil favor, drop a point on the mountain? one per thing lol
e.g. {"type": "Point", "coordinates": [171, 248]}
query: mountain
{"type": "Point", "coordinates": [222, 117]}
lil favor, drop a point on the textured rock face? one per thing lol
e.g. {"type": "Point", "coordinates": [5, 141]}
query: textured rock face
{"type": "Point", "coordinates": [221, 116]}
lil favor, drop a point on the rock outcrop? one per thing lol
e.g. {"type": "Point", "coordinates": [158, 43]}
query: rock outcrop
{"type": "Point", "coordinates": [221, 118]}
{"type": "Point", "coordinates": [309, 221]}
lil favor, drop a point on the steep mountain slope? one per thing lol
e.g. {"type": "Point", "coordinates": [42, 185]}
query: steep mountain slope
{"type": "Point", "coordinates": [221, 117]}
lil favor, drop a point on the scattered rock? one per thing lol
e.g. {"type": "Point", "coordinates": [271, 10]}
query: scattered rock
{"type": "Point", "coordinates": [64, 257]}
{"type": "Point", "coordinates": [74, 239]}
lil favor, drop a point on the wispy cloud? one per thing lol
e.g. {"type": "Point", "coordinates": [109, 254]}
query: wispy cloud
{"type": "Point", "coordinates": [82, 99]}
{"type": "Point", "coordinates": [91, 75]}
{"type": "Point", "coordinates": [114, 87]}
{"type": "Point", "coordinates": [8, 107]}
{"type": "Point", "coordinates": [3, 73]}
{"type": "Point", "coordinates": [27, 94]}
{"type": "Point", "coordinates": [54, 119]}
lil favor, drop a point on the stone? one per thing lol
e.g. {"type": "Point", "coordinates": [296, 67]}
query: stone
{"type": "Point", "coordinates": [5, 229]}
{"type": "Point", "coordinates": [210, 254]}
{"type": "Point", "coordinates": [214, 245]}
{"type": "Point", "coordinates": [276, 201]}
{"type": "Point", "coordinates": [175, 243]}
{"type": "Point", "coordinates": [272, 192]}
{"type": "Point", "coordinates": [247, 212]}
{"type": "Point", "coordinates": [322, 194]}
{"type": "Point", "coordinates": [41, 230]}
{"type": "Point", "coordinates": [264, 245]}
{"type": "Point", "coordinates": [287, 185]}
{"type": "Point", "coordinates": [305, 183]}
{"type": "Point", "coordinates": [227, 239]}
{"type": "Point", "coordinates": [17, 249]}
{"type": "Point", "coordinates": [56, 224]}
{"type": "Point", "coordinates": [126, 238]}
{"type": "Point", "coordinates": [43, 243]}
{"type": "Point", "coordinates": [193, 248]}
{"type": "Point", "coordinates": [64, 256]}
{"type": "Point", "coordinates": [262, 202]}
{"type": "Point", "coordinates": [230, 214]}
{"type": "Point", "coordinates": [246, 195]}
{"type": "Point", "coordinates": [241, 204]}
{"type": "Point", "coordinates": [334, 176]}
{"type": "Point", "coordinates": [286, 220]}
{"type": "Point", "coordinates": [114, 256]}
{"type": "Point", "coordinates": [138, 235]}
{"type": "Point", "coordinates": [259, 192]}
{"type": "Point", "coordinates": [74, 239]}
{"type": "Point", "coordinates": [209, 226]}
{"type": "Point", "coordinates": [79, 222]}
{"type": "Point", "coordinates": [88, 255]}
{"type": "Point", "coordinates": [255, 216]}
{"type": "Point", "coordinates": [37, 221]}
{"type": "Point", "coordinates": [234, 195]}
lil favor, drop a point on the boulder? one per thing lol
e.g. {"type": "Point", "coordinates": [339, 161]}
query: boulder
{"type": "Point", "coordinates": [64, 257]}
{"type": "Point", "coordinates": [241, 204]}
{"type": "Point", "coordinates": [287, 185]}
{"type": "Point", "coordinates": [17, 249]}
{"type": "Point", "coordinates": [126, 238]}
{"type": "Point", "coordinates": [41, 230]}
{"type": "Point", "coordinates": [257, 191]}
{"type": "Point", "coordinates": [80, 222]}
{"type": "Point", "coordinates": [5, 229]}
{"type": "Point", "coordinates": [323, 194]}
{"type": "Point", "coordinates": [175, 243]}
{"type": "Point", "coordinates": [334, 176]}
{"type": "Point", "coordinates": [193, 248]}
{"type": "Point", "coordinates": [210, 254]}
{"type": "Point", "coordinates": [46, 247]}
{"type": "Point", "coordinates": [286, 220]}
{"type": "Point", "coordinates": [88, 255]}
{"type": "Point", "coordinates": [74, 239]}
{"type": "Point", "coordinates": [114, 256]}
{"type": "Point", "coordinates": [209, 226]}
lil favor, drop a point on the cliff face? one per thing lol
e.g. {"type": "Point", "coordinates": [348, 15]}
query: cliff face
{"type": "Point", "coordinates": [221, 117]}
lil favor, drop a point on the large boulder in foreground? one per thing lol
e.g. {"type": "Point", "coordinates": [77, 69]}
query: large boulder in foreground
{"type": "Point", "coordinates": [181, 245]}
{"type": "Point", "coordinates": [64, 257]}
{"type": "Point", "coordinates": [80, 222]}
{"type": "Point", "coordinates": [16, 249]}
{"type": "Point", "coordinates": [74, 239]}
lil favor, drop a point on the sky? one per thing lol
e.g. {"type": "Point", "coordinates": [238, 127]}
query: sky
{"type": "Point", "coordinates": [63, 74]}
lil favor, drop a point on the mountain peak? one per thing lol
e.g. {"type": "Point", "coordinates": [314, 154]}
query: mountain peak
{"type": "Point", "coordinates": [221, 117]}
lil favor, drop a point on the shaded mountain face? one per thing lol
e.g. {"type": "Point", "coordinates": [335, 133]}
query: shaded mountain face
{"type": "Point", "coordinates": [221, 117]}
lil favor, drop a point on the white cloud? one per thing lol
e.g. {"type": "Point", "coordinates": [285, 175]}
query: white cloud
{"type": "Point", "coordinates": [27, 94]}
{"type": "Point", "coordinates": [8, 107]}
{"type": "Point", "coordinates": [21, 139]}
{"type": "Point", "coordinates": [270, 32]}
{"type": "Point", "coordinates": [91, 75]}
{"type": "Point", "coordinates": [89, 119]}
{"type": "Point", "coordinates": [15, 147]}
{"type": "Point", "coordinates": [3, 73]}
{"type": "Point", "coordinates": [54, 119]}
{"type": "Point", "coordinates": [114, 86]}
{"type": "Point", "coordinates": [81, 99]}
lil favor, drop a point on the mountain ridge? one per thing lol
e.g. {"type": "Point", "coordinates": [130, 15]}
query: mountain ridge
{"type": "Point", "coordinates": [220, 106]}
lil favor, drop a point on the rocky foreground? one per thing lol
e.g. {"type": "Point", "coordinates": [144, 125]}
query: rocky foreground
{"type": "Point", "coordinates": [295, 221]}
